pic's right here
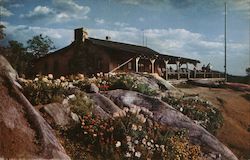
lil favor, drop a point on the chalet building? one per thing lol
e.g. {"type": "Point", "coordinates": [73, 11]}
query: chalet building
{"type": "Point", "coordinates": [89, 56]}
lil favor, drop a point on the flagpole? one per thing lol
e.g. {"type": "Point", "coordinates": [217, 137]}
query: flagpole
{"type": "Point", "coordinates": [225, 38]}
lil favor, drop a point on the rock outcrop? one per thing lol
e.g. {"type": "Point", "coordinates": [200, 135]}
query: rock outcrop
{"type": "Point", "coordinates": [167, 115]}
{"type": "Point", "coordinates": [24, 133]}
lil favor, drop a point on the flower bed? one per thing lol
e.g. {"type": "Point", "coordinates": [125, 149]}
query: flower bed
{"type": "Point", "coordinates": [199, 110]}
{"type": "Point", "coordinates": [131, 134]}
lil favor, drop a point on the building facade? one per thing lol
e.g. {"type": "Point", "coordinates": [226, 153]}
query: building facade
{"type": "Point", "coordinates": [89, 56]}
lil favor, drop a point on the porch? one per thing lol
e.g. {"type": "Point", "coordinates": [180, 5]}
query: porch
{"type": "Point", "coordinates": [168, 67]}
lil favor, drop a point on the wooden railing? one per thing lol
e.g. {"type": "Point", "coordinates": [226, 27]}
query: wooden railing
{"type": "Point", "coordinates": [192, 74]}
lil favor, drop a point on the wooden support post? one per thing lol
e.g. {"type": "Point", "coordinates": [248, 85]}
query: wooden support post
{"type": "Point", "coordinates": [153, 65]}
{"type": "Point", "coordinates": [188, 76]}
{"type": "Point", "coordinates": [195, 69]}
{"type": "Point", "coordinates": [178, 69]}
{"type": "Point", "coordinates": [137, 64]}
{"type": "Point", "coordinates": [166, 66]}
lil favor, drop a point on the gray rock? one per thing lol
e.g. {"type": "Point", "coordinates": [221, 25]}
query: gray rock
{"type": "Point", "coordinates": [27, 119]}
{"type": "Point", "coordinates": [93, 88]}
{"type": "Point", "coordinates": [75, 117]}
{"type": "Point", "coordinates": [165, 114]}
{"type": "Point", "coordinates": [105, 103]}
{"type": "Point", "coordinates": [58, 113]}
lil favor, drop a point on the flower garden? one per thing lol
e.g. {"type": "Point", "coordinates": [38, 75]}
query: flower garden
{"type": "Point", "coordinates": [201, 111]}
{"type": "Point", "coordinates": [128, 134]}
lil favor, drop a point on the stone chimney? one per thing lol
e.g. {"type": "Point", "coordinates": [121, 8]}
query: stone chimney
{"type": "Point", "coordinates": [80, 35]}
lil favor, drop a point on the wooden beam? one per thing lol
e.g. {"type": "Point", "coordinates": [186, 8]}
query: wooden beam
{"type": "Point", "coordinates": [121, 65]}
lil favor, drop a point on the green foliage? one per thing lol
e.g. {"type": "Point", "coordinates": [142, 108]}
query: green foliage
{"type": "Point", "coordinates": [81, 104]}
{"type": "Point", "coordinates": [44, 91]}
{"type": "Point", "coordinates": [19, 58]}
{"type": "Point", "coordinates": [2, 34]}
{"type": "Point", "coordinates": [126, 82]}
{"type": "Point", "coordinates": [248, 71]}
{"type": "Point", "coordinates": [201, 111]}
{"type": "Point", "coordinates": [144, 88]}
{"type": "Point", "coordinates": [40, 45]}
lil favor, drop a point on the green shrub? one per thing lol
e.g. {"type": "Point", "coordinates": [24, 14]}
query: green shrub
{"type": "Point", "coordinates": [201, 111]}
{"type": "Point", "coordinates": [144, 88]}
{"type": "Point", "coordinates": [81, 104]}
{"type": "Point", "coordinates": [44, 91]}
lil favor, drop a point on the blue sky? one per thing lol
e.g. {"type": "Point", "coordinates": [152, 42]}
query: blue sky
{"type": "Point", "coordinates": [189, 28]}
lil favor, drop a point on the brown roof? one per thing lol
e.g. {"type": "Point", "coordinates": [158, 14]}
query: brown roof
{"type": "Point", "coordinates": [139, 50]}
{"type": "Point", "coordinates": [142, 51]}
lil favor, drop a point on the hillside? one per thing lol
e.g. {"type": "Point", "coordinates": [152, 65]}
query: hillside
{"type": "Point", "coordinates": [119, 116]}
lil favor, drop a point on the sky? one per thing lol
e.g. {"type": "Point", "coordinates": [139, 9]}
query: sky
{"type": "Point", "coordinates": [187, 28]}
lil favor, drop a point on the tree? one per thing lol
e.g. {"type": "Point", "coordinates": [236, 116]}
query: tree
{"type": "Point", "coordinates": [40, 45]}
{"type": "Point", "coordinates": [2, 35]}
{"type": "Point", "coordinates": [19, 58]}
{"type": "Point", "coordinates": [248, 71]}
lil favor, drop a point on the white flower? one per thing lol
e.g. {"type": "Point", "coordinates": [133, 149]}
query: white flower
{"type": "Point", "coordinates": [81, 76]}
{"type": "Point", "coordinates": [138, 154]}
{"type": "Point", "coordinates": [131, 148]}
{"type": "Point", "coordinates": [122, 113]}
{"type": "Point", "coordinates": [57, 81]}
{"type": "Point", "coordinates": [116, 114]}
{"type": "Point", "coordinates": [118, 144]}
{"type": "Point", "coordinates": [50, 76]}
{"type": "Point", "coordinates": [162, 148]}
{"type": "Point", "coordinates": [62, 78]}
{"type": "Point", "coordinates": [144, 141]}
{"type": "Point", "coordinates": [181, 109]}
{"type": "Point", "coordinates": [72, 96]}
{"type": "Point", "coordinates": [36, 79]}
{"type": "Point", "coordinates": [85, 132]}
{"type": "Point", "coordinates": [45, 79]}
{"type": "Point", "coordinates": [149, 143]}
{"type": "Point", "coordinates": [134, 127]}
{"type": "Point", "coordinates": [136, 142]}
{"type": "Point", "coordinates": [94, 135]}
{"type": "Point", "coordinates": [140, 128]}
{"type": "Point", "coordinates": [125, 109]}
{"type": "Point", "coordinates": [128, 138]}
{"type": "Point", "coordinates": [127, 154]}
{"type": "Point", "coordinates": [133, 110]}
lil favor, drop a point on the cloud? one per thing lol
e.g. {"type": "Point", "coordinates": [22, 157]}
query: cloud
{"type": "Point", "coordinates": [5, 12]}
{"type": "Point", "coordinates": [22, 33]}
{"type": "Point", "coordinates": [60, 11]}
{"type": "Point", "coordinates": [121, 24]}
{"type": "Point", "coordinates": [139, 2]}
{"type": "Point", "coordinates": [99, 21]}
{"type": "Point", "coordinates": [176, 42]}
{"type": "Point", "coordinates": [70, 6]}
{"type": "Point", "coordinates": [39, 12]}
{"type": "Point", "coordinates": [17, 5]}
